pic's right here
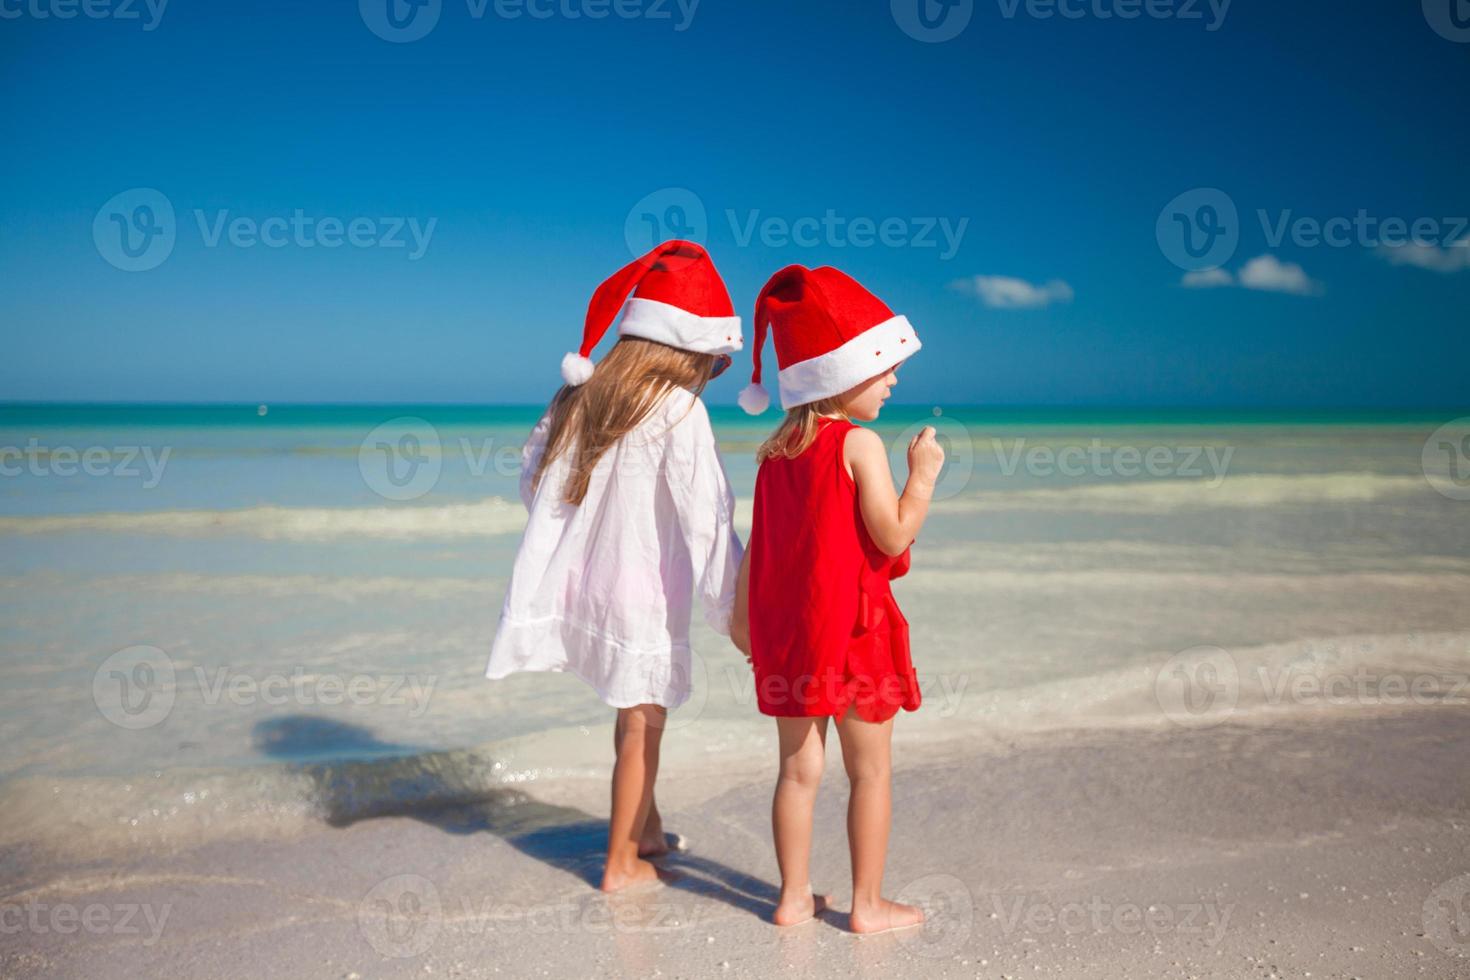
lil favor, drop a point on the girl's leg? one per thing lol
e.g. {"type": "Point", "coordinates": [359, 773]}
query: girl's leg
{"type": "Point", "coordinates": [803, 753]}
{"type": "Point", "coordinates": [651, 841]}
{"type": "Point", "coordinates": [867, 758]}
{"type": "Point", "coordinates": [636, 737]}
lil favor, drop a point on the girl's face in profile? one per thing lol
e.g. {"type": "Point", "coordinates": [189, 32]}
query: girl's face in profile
{"type": "Point", "coordinates": [864, 401]}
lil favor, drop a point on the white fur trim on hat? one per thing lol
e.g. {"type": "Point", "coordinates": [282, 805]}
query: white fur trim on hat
{"type": "Point", "coordinates": [867, 355]}
{"type": "Point", "coordinates": [652, 320]}
{"type": "Point", "coordinates": [754, 399]}
{"type": "Point", "coordinates": [575, 369]}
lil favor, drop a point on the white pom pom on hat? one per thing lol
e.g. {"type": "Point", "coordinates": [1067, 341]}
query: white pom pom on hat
{"type": "Point", "coordinates": [576, 369]}
{"type": "Point", "coordinates": [754, 399]}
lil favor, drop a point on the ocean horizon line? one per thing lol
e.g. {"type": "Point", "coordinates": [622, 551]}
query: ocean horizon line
{"type": "Point", "coordinates": [330, 413]}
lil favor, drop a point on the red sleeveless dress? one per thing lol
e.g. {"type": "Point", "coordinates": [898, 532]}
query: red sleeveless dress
{"type": "Point", "coordinates": [825, 631]}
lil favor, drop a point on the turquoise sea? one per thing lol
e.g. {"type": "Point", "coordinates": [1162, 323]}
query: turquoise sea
{"type": "Point", "coordinates": [224, 618]}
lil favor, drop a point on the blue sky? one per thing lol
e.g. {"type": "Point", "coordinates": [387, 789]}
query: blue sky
{"type": "Point", "coordinates": [526, 151]}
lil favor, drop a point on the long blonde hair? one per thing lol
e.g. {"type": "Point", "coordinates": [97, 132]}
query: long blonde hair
{"type": "Point", "coordinates": [798, 429]}
{"type": "Point", "coordinates": [625, 386]}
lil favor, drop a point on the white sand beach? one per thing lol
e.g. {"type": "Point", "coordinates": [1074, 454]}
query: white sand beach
{"type": "Point", "coordinates": [1301, 848]}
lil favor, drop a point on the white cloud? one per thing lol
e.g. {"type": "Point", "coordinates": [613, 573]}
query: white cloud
{"type": "Point", "coordinates": [1207, 279]}
{"type": "Point", "coordinates": [1008, 293]}
{"type": "Point", "coordinates": [1455, 258]}
{"type": "Point", "coordinates": [1267, 272]}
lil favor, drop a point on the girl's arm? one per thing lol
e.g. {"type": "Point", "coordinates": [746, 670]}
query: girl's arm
{"type": "Point", "coordinates": [892, 521]}
{"type": "Point", "coordinates": [740, 619]}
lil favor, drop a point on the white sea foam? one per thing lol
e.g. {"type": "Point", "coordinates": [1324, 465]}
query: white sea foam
{"type": "Point", "coordinates": [1156, 496]}
{"type": "Point", "coordinates": [343, 588]}
{"type": "Point", "coordinates": [494, 516]}
{"type": "Point", "coordinates": [483, 518]}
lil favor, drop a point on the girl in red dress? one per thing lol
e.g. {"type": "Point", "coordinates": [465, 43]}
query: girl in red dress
{"type": "Point", "coordinates": [813, 607]}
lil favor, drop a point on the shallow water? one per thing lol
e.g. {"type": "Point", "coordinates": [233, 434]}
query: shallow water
{"type": "Point", "coordinates": [238, 620]}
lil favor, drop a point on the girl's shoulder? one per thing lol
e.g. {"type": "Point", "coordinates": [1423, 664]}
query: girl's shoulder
{"type": "Point", "coordinates": [680, 405]}
{"type": "Point", "coordinates": [858, 442]}
{"type": "Point", "coordinates": [680, 415]}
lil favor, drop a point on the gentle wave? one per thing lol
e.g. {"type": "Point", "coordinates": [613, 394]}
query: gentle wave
{"type": "Point", "coordinates": [1154, 496]}
{"type": "Point", "coordinates": [488, 517]}
{"type": "Point", "coordinates": [498, 516]}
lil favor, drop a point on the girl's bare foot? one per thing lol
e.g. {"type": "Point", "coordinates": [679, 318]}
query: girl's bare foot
{"type": "Point", "coordinates": [796, 907]}
{"type": "Point", "coordinates": [653, 843]}
{"type": "Point", "coordinates": [616, 878]}
{"type": "Point", "coordinates": [885, 916]}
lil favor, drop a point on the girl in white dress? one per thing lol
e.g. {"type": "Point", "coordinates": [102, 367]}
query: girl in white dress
{"type": "Point", "coordinates": [631, 517]}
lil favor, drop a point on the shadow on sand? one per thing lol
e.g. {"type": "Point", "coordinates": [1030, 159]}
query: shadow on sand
{"type": "Point", "coordinates": [456, 792]}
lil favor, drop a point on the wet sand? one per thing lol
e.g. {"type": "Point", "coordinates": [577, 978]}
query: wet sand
{"type": "Point", "coordinates": [1315, 845]}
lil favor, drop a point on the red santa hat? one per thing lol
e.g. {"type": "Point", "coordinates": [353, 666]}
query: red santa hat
{"type": "Point", "coordinates": [831, 334]}
{"type": "Point", "coordinates": [678, 299]}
